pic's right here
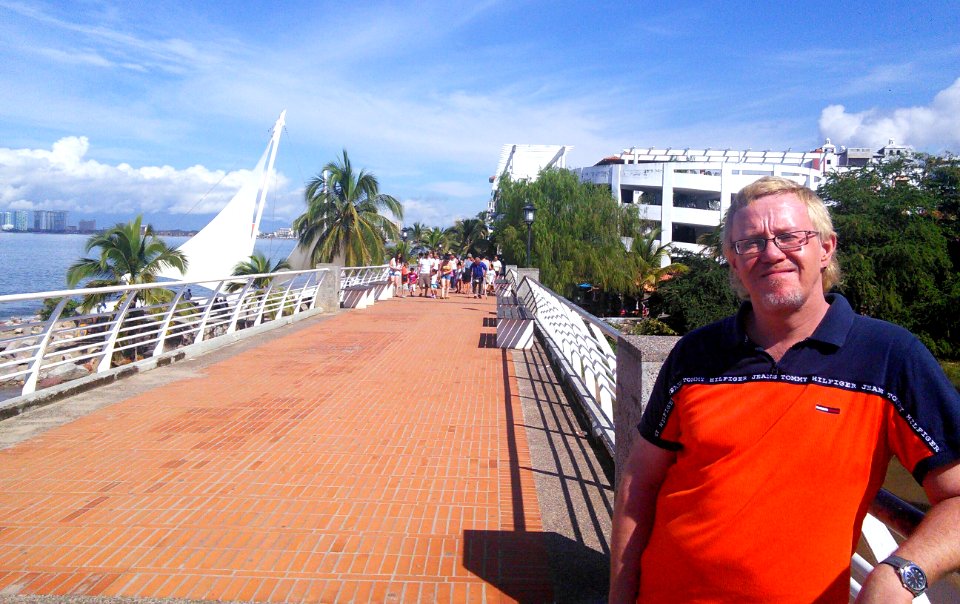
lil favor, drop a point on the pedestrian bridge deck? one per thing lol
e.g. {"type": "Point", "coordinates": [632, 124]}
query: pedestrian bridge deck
{"type": "Point", "coordinates": [391, 454]}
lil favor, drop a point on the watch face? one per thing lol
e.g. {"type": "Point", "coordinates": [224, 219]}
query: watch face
{"type": "Point", "coordinates": [914, 578]}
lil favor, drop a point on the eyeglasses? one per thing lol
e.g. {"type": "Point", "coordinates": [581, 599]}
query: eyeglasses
{"type": "Point", "coordinates": [793, 240]}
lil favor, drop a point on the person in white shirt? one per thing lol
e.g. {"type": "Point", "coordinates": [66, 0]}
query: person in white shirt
{"type": "Point", "coordinates": [423, 270]}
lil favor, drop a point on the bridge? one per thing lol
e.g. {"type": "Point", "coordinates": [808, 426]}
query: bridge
{"type": "Point", "coordinates": [281, 449]}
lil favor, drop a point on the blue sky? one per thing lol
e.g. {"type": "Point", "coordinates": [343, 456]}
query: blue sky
{"type": "Point", "coordinates": [112, 109]}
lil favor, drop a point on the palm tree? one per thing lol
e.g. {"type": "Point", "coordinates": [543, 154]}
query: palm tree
{"type": "Point", "coordinates": [256, 265]}
{"type": "Point", "coordinates": [403, 248]}
{"type": "Point", "coordinates": [418, 234]}
{"type": "Point", "coordinates": [435, 239]}
{"type": "Point", "coordinates": [648, 255]}
{"type": "Point", "coordinates": [712, 242]}
{"type": "Point", "coordinates": [469, 234]}
{"type": "Point", "coordinates": [129, 254]}
{"type": "Point", "coordinates": [343, 217]}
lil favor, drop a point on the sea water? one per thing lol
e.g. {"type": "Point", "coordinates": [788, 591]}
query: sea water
{"type": "Point", "coordinates": [38, 262]}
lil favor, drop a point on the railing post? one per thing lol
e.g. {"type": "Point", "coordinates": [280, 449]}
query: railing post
{"type": "Point", "coordinates": [283, 301]}
{"type": "Point", "coordinates": [111, 342]}
{"type": "Point", "coordinates": [263, 303]}
{"type": "Point", "coordinates": [639, 359]}
{"type": "Point", "coordinates": [30, 384]}
{"type": "Point", "coordinates": [328, 293]}
{"type": "Point", "coordinates": [206, 313]}
{"type": "Point", "coordinates": [235, 315]}
{"type": "Point", "coordinates": [162, 333]}
{"type": "Point", "coordinates": [529, 273]}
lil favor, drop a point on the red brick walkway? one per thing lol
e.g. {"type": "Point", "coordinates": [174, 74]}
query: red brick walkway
{"type": "Point", "coordinates": [375, 456]}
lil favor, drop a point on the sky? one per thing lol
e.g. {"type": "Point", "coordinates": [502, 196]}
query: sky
{"type": "Point", "coordinates": [113, 109]}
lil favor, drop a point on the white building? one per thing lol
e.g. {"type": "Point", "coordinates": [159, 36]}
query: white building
{"type": "Point", "coordinates": [687, 191]}
{"type": "Point", "coordinates": [525, 162]}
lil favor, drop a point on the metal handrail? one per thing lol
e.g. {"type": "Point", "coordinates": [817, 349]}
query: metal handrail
{"type": "Point", "coordinates": [578, 342]}
{"type": "Point", "coordinates": [363, 275]}
{"type": "Point", "coordinates": [144, 331]}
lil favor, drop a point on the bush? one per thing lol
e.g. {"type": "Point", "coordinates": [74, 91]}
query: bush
{"type": "Point", "coordinates": [650, 327]}
{"type": "Point", "coordinates": [49, 304]}
{"type": "Point", "coordinates": [698, 297]}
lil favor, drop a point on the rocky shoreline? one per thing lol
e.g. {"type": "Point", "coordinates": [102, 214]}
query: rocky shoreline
{"type": "Point", "coordinates": [17, 333]}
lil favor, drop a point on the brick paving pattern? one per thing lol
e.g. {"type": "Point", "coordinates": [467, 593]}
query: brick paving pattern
{"type": "Point", "coordinates": [378, 455]}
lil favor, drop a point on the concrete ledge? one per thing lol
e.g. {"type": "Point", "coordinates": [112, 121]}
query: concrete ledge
{"type": "Point", "coordinates": [19, 404]}
{"type": "Point", "coordinates": [639, 359]}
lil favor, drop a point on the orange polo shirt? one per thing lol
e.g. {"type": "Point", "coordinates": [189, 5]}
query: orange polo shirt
{"type": "Point", "coordinates": [777, 463]}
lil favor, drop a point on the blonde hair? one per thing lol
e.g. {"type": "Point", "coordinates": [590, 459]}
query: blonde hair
{"type": "Point", "coordinates": [816, 210]}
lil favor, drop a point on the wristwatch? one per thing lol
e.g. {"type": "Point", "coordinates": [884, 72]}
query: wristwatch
{"type": "Point", "coordinates": [911, 576]}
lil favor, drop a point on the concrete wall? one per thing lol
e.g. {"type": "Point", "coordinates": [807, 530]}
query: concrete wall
{"type": "Point", "coordinates": [639, 359]}
{"type": "Point", "coordinates": [529, 273]}
{"type": "Point", "coordinates": [328, 298]}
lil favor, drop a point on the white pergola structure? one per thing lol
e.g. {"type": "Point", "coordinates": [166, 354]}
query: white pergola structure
{"type": "Point", "coordinates": [525, 162]}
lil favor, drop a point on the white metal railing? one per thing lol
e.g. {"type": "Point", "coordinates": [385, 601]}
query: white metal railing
{"type": "Point", "coordinates": [580, 340]}
{"type": "Point", "coordinates": [354, 276]}
{"type": "Point", "coordinates": [126, 330]}
{"type": "Point", "coordinates": [579, 343]}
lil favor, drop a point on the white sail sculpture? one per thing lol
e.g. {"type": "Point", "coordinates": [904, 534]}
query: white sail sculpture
{"type": "Point", "coordinates": [230, 237]}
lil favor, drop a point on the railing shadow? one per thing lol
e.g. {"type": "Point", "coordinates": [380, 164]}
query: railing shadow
{"type": "Point", "coordinates": [576, 473]}
{"type": "Point", "coordinates": [567, 561]}
{"type": "Point", "coordinates": [516, 563]}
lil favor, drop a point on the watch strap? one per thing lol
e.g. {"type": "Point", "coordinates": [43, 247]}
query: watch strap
{"type": "Point", "coordinates": [900, 564]}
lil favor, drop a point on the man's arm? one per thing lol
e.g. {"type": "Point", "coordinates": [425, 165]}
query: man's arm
{"type": "Point", "coordinates": [633, 511]}
{"type": "Point", "coordinates": [934, 546]}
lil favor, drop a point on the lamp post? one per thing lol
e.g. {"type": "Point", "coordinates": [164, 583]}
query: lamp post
{"type": "Point", "coordinates": [529, 213]}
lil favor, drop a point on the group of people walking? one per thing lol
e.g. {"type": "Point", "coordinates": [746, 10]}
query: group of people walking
{"type": "Point", "coordinates": [437, 275]}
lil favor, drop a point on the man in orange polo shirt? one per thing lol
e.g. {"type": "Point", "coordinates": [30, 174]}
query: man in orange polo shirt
{"type": "Point", "coordinates": [769, 433]}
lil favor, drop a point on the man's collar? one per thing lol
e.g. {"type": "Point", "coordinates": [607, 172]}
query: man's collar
{"type": "Point", "coordinates": [833, 328]}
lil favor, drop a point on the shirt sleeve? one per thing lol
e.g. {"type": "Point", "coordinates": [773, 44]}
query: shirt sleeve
{"type": "Point", "coordinates": [659, 423]}
{"type": "Point", "coordinates": [925, 431]}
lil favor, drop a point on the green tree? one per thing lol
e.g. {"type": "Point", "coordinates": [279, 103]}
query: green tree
{"type": "Point", "coordinates": [257, 264]}
{"type": "Point", "coordinates": [128, 254]}
{"type": "Point", "coordinates": [404, 248]}
{"type": "Point", "coordinates": [576, 234]}
{"type": "Point", "coordinates": [894, 248]}
{"type": "Point", "coordinates": [700, 296]}
{"type": "Point", "coordinates": [343, 217]}
{"type": "Point", "coordinates": [469, 235]}
{"type": "Point", "coordinates": [418, 235]}
{"type": "Point", "coordinates": [712, 242]}
{"type": "Point", "coordinates": [651, 261]}
{"type": "Point", "coordinates": [435, 239]}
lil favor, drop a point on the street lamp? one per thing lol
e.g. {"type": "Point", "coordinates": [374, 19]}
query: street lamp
{"type": "Point", "coordinates": [529, 213]}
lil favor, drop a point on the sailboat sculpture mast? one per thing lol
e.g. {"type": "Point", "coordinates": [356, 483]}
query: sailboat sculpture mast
{"type": "Point", "coordinates": [230, 237]}
{"type": "Point", "coordinates": [265, 177]}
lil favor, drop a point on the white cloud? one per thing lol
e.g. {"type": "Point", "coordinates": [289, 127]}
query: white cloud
{"type": "Point", "coordinates": [430, 213]}
{"type": "Point", "coordinates": [935, 126]}
{"type": "Point", "coordinates": [455, 188]}
{"type": "Point", "coordinates": [62, 178]}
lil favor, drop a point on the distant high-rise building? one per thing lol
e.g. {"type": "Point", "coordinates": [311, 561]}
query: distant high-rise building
{"type": "Point", "coordinates": [87, 226]}
{"type": "Point", "coordinates": [42, 220]}
{"type": "Point", "coordinates": [6, 221]}
{"type": "Point", "coordinates": [59, 221]}
{"type": "Point", "coordinates": [21, 220]}
{"type": "Point", "coordinates": [49, 221]}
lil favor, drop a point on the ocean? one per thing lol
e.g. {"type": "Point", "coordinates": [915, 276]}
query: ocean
{"type": "Point", "coordinates": [36, 262]}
